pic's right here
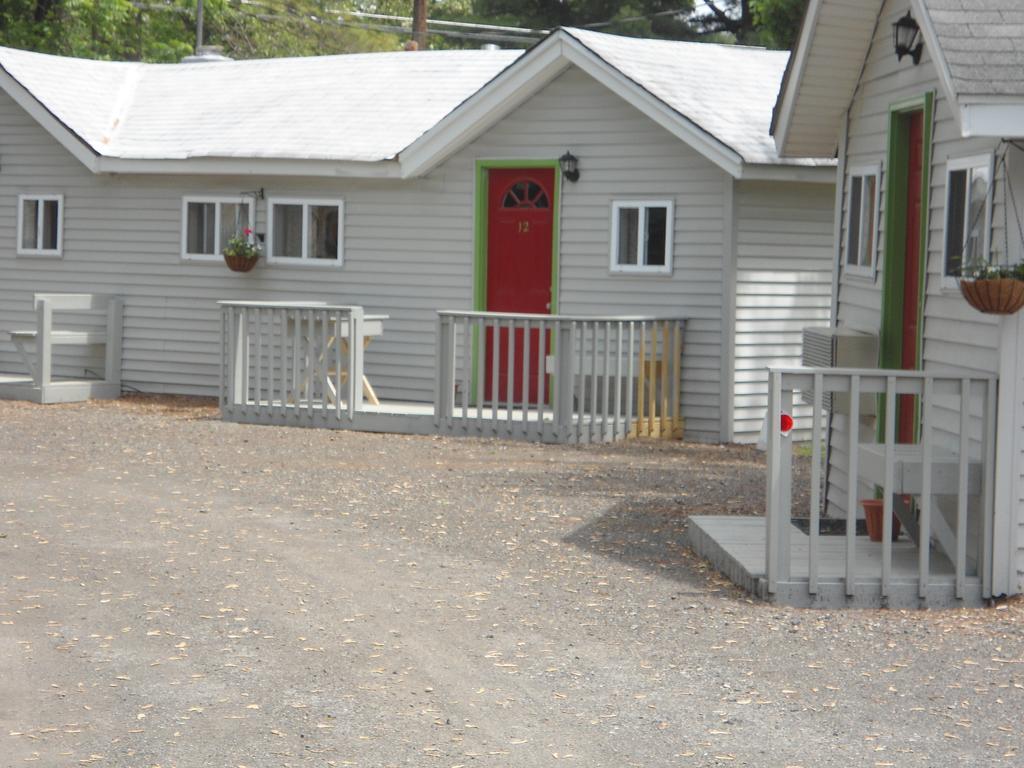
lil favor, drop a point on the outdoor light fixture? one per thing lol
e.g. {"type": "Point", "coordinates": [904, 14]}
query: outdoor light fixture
{"type": "Point", "coordinates": [567, 163]}
{"type": "Point", "coordinates": [906, 38]}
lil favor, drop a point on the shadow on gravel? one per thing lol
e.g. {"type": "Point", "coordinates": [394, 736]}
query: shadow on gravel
{"type": "Point", "coordinates": [647, 535]}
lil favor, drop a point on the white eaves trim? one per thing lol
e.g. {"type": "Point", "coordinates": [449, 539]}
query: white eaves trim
{"type": "Point", "coordinates": [526, 77]}
{"type": "Point", "coordinates": [798, 64]}
{"type": "Point", "coordinates": [67, 138]}
{"type": "Point", "coordinates": [248, 166]}
{"type": "Point", "coordinates": [811, 174]}
{"type": "Point", "coordinates": [1001, 121]}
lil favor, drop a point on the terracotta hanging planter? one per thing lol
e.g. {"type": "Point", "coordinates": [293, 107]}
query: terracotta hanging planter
{"type": "Point", "coordinates": [873, 510]}
{"type": "Point", "coordinates": [239, 263]}
{"type": "Point", "coordinates": [996, 296]}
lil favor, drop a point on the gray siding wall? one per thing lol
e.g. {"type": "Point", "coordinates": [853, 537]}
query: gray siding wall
{"type": "Point", "coordinates": [955, 336]}
{"type": "Point", "coordinates": [783, 283]}
{"type": "Point", "coordinates": [408, 245]}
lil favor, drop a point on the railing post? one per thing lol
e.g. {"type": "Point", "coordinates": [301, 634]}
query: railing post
{"type": "Point", "coordinates": [780, 478]}
{"type": "Point", "coordinates": [355, 361]}
{"type": "Point", "coordinates": [445, 380]}
{"type": "Point", "coordinates": [112, 350]}
{"type": "Point", "coordinates": [44, 343]}
{"type": "Point", "coordinates": [240, 373]}
{"type": "Point", "coordinates": [563, 378]}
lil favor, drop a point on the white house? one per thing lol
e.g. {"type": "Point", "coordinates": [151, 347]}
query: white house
{"type": "Point", "coordinates": [931, 169]}
{"type": "Point", "coordinates": [379, 180]}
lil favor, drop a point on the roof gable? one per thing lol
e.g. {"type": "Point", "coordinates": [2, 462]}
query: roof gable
{"type": "Point", "coordinates": [976, 47]}
{"type": "Point", "coordinates": [716, 98]}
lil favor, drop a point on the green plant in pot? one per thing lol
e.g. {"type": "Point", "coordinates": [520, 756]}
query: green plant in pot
{"type": "Point", "coordinates": [241, 252]}
{"type": "Point", "coordinates": [995, 289]}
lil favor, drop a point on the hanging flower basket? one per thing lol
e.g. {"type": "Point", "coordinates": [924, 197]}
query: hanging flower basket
{"type": "Point", "coordinates": [994, 296]}
{"type": "Point", "coordinates": [240, 263]}
{"type": "Point", "coordinates": [241, 253]}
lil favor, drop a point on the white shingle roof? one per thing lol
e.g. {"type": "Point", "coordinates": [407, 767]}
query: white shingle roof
{"type": "Point", "coordinates": [360, 107]}
{"type": "Point", "coordinates": [369, 107]}
{"type": "Point", "coordinates": [982, 42]}
{"type": "Point", "coordinates": [727, 90]}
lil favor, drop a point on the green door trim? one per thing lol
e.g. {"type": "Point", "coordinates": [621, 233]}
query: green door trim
{"type": "Point", "coordinates": [480, 227]}
{"type": "Point", "coordinates": [890, 343]}
{"type": "Point", "coordinates": [480, 242]}
{"type": "Point", "coordinates": [890, 347]}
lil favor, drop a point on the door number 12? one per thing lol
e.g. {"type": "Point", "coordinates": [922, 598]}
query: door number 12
{"type": "Point", "coordinates": [523, 227]}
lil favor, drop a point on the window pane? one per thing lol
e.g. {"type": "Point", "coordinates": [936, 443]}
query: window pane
{"type": "Point", "coordinates": [956, 197]}
{"type": "Point", "coordinates": [287, 231]}
{"type": "Point", "coordinates": [29, 224]}
{"type": "Point", "coordinates": [234, 220]}
{"type": "Point", "coordinates": [629, 226]}
{"type": "Point", "coordinates": [51, 215]}
{"type": "Point", "coordinates": [656, 220]}
{"type": "Point", "coordinates": [854, 222]}
{"type": "Point", "coordinates": [323, 232]}
{"type": "Point", "coordinates": [977, 195]}
{"type": "Point", "coordinates": [867, 239]}
{"type": "Point", "coordinates": [199, 238]}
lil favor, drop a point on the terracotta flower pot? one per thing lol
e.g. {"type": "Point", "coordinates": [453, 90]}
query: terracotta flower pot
{"type": "Point", "coordinates": [999, 296]}
{"type": "Point", "coordinates": [238, 263]}
{"type": "Point", "coordinates": [873, 509]}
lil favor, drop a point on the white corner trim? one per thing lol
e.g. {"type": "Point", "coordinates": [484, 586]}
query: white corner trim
{"type": "Point", "coordinates": [64, 135]}
{"type": "Point", "coordinates": [787, 104]}
{"type": "Point", "coordinates": [1008, 507]}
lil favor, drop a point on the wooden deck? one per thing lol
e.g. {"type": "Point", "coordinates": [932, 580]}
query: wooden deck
{"type": "Point", "coordinates": [411, 418]}
{"type": "Point", "coordinates": [736, 547]}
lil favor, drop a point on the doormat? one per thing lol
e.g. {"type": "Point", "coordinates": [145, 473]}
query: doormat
{"type": "Point", "coordinates": [828, 526]}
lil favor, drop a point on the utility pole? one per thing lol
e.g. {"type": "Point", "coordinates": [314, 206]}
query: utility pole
{"type": "Point", "coordinates": [199, 25]}
{"type": "Point", "coordinates": [419, 24]}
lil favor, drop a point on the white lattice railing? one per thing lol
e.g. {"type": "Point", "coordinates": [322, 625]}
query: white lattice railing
{"type": "Point", "coordinates": [559, 378]}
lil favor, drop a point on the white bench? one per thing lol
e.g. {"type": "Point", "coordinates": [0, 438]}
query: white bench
{"type": "Point", "coordinates": [35, 347]}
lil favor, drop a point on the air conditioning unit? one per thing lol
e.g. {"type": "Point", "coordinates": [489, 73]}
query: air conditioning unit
{"type": "Point", "coordinates": [840, 348]}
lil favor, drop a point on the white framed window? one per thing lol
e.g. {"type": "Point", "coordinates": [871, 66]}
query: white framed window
{"type": "Point", "coordinates": [40, 225]}
{"type": "Point", "coordinates": [968, 214]}
{"type": "Point", "coordinates": [642, 236]}
{"type": "Point", "coordinates": [207, 223]}
{"type": "Point", "coordinates": [862, 204]}
{"type": "Point", "coordinates": [304, 231]}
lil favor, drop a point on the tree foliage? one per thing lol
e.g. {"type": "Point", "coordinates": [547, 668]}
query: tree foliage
{"type": "Point", "coordinates": [164, 30]}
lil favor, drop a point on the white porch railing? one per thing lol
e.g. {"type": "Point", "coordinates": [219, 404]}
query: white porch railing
{"type": "Point", "coordinates": [291, 359]}
{"type": "Point", "coordinates": [941, 487]}
{"type": "Point", "coordinates": [557, 378]}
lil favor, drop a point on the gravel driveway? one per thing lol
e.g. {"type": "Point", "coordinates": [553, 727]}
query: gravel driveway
{"type": "Point", "coordinates": [177, 591]}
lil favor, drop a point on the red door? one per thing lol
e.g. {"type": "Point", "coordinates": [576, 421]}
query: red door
{"type": "Point", "coordinates": [911, 273]}
{"type": "Point", "coordinates": [520, 222]}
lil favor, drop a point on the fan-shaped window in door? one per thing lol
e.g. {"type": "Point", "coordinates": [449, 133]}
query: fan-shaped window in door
{"type": "Point", "coordinates": [525, 194]}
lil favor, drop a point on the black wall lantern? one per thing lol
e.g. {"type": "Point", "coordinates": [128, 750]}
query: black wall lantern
{"type": "Point", "coordinates": [906, 38]}
{"type": "Point", "coordinates": [568, 163]}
